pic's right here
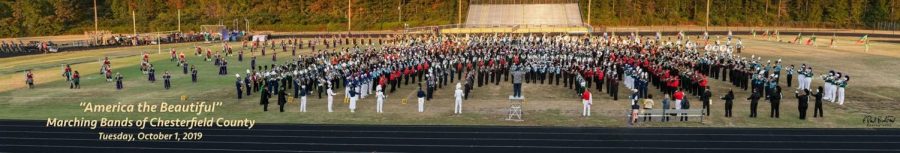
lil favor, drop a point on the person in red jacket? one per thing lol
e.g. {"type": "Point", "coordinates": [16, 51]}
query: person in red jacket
{"type": "Point", "coordinates": [172, 54]}
{"type": "Point", "coordinates": [588, 77]}
{"type": "Point", "coordinates": [208, 54]}
{"type": "Point", "coordinates": [599, 73]}
{"type": "Point", "coordinates": [678, 96]}
{"type": "Point", "coordinates": [703, 84]}
{"type": "Point", "coordinates": [397, 76]}
{"type": "Point", "coordinates": [67, 72]}
{"type": "Point", "coordinates": [181, 58]}
{"type": "Point", "coordinates": [29, 79]}
{"type": "Point", "coordinates": [419, 72]}
{"type": "Point", "coordinates": [468, 66]}
{"type": "Point", "coordinates": [515, 59]}
{"type": "Point", "coordinates": [586, 101]}
{"type": "Point", "coordinates": [459, 68]}
{"type": "Point", "coordinates": [382, 81]}
{"type": "Point", "coordinates": [407, 72]}
{"type": "Point", "coordinates": [675, 85]}
{"type": "Point", "coordinates": [76, 81]}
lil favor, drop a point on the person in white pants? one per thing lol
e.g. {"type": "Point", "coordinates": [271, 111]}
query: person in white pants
{"type": "Point", "coordinates": [842, 83]}
{"type": "Point", "coordinates": [421, 95]}
{"type": "Point", "coordinates": [801, 78]}
{"type": "Point", "coordinates": [379, 102]}
{"type": "Point", "coordinates": [834, 87]}
{"type": "Point", "coordinates": [457, 107]}
{"type": "Point", "coordinates": [347, 88]}
{"type": "Point", "coordinates": [362, 89]}
{"type": "Point", "coordinates": [586, 102]}
{"type": "Point", "coordinates": [303, 98]}
{"type": "Point", "coordinates": [368, 88]}
{"type": "Point", "coordinates": [331, 95]}
{"type": "Point", "coordinates": [828, 80]}
{"type": "Point", "coordinates": [354, 96]}
{"type": "Point", "coordinates": [809, 75]}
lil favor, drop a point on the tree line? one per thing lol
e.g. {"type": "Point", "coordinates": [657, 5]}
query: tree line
{"type": "Point", "coordinates": [19, 18]}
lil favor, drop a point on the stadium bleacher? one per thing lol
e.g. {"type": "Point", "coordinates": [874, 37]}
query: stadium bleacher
{"type": "Point", "coordinates": [11, 48]}
{"type": "Point", "coordinates": [523, 14]}
{"type": "Point", "coordinates": [518, 18]}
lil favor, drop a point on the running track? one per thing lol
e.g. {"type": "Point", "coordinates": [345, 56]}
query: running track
{"type": "Point", "coordinates": [32, 136]}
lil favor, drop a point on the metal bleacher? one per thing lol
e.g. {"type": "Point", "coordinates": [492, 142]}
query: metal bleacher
{"type": "Point", "coordinates": [523, 14]}
{"type": "Point", "coordinates": [516, 18]}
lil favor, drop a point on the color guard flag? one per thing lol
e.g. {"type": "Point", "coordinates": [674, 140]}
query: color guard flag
{"type": "Point", "coordinates": [862, 40]}
{"type": "Point", "coordinates": [811, 40]}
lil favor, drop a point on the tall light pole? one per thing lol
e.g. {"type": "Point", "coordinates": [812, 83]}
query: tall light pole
{"type": "Point", "coordinates": [459, 12]}
{"type": "Point", "coordinates": [589, 13]}
{"type": "Point", "coordinates": [95, 15]}
{"type": "Point", "coordinates": [158, 43]}
{"type": "Point", "coordinates": [349, 15]}
{"type": "Point", "coordinates": [133, 23]}
{"type": "Point", "coordinates": [707, 16]}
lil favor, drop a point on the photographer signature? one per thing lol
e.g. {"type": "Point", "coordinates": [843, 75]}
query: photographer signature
{"type": "Point", "coordinates": [879, 121]}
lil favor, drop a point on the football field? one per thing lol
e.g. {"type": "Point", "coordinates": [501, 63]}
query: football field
{"type": "Point", "coordinates": [874, 90]}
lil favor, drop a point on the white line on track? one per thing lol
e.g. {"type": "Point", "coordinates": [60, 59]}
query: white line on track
{"type": "Point", "coordinates": [534, 127]}
{"type": "Point", "coordinates": [496, 139]}
{"type": "Point", "coordinates": [158, 148]}
{"type": "Point", "coordinates": [517, 133]}
{"type": "Point", "coordinates": [487, 146]}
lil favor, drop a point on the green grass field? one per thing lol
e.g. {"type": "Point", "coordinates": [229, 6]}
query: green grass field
{"type": "Point", "coordinates": [874, 90]}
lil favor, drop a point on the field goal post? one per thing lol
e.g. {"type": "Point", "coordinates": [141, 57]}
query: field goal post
{"type": "Point", "coordinates": [98, 37]}
{"type": "Point", "coordinates": [621, 31]}
{"type": "Point", "coordinates": [156, 38]}
{"type": "Point", "coordinates": [212, 32]}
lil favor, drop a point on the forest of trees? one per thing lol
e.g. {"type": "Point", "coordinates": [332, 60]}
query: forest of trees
{"type": "Point", "coordinates": [816, 13]}
{"type": "Point", "coordinates": [20, 18]}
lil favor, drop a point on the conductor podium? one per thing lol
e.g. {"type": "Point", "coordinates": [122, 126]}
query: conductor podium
{"type": "Point", "coordinates": [515, 108]}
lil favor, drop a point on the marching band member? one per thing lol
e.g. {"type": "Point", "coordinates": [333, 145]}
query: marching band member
{"type": "Point", "coordinates": [457, 107]}
{"type": "Point", "coordinates": [379, 95]}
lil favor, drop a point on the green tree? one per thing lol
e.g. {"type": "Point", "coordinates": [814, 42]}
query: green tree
{"type": "Point", "coordinates": [838, 12]}
{"type": "Point", "coordinates": [51, 17]}
{"type": "Point", "coordinates": [876, 12]}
